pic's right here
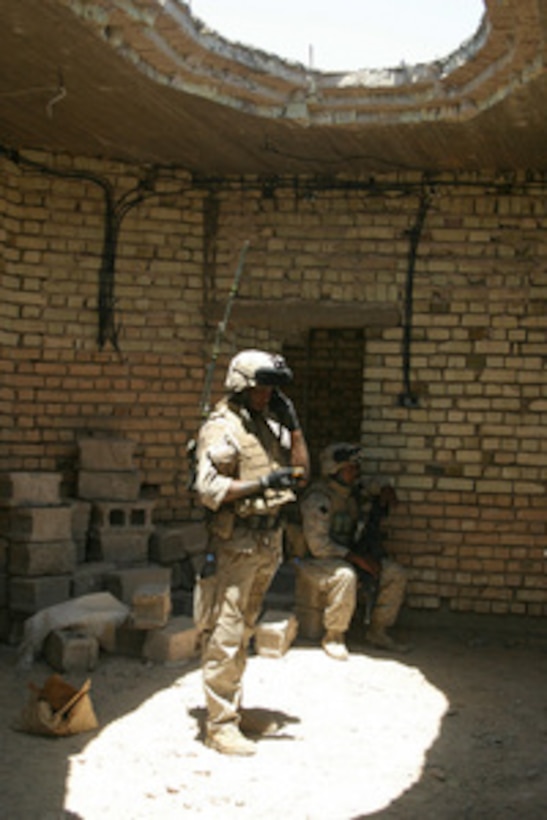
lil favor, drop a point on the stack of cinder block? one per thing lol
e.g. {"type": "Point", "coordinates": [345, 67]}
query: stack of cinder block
{"type": "Point", "coordinates": [182, 549]}
{"type": "Point", "coordinates": [38, 556]}
{"type": "Point", "coordinates": [121, 520]}
{"type": "Point", "coordinates": [119, 558]}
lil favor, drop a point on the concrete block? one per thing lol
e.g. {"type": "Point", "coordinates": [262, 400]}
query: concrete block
{"type": "Point", "coordinates": [275, 633]}
{"type": "Point", "coordinates": [117, 515]}
{"type": "Point", "coordinates": [68, 650]}
{"type": "Point", "coordinates": [178, 641]}
{"type": "Point", "coordinates": [37, 523]}
{"type": "Point", "coordinates": [44, 558]}
{"type": "Point", "coordinates": [90, 577]}
{"type": "Point", "coordinates": [104, 453]}
{"type": "Point", "coordinates": [169, 544]}
{"type": "Point", "coordinates": [109, 486]}
{"type": "Point", "coordinates": [3, 590]}
{"type": "Point", "coordinates": [29, 595]}
{"type": "Point", "coordinates": [310, 622]}
{"type": "Point", "coordinates": [123, 583]}
{"type": "Point", "coordinates": [107, 638]}
{"type": "Point", "coordinates": [125, 547]}
{"type": "Point", "coordinates": [19, 489]}
{"type": "Point", "coordinates": [151, 606]}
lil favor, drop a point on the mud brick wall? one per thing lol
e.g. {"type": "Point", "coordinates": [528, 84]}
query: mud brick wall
{"type": "Point", "coordinates": [468, 461]}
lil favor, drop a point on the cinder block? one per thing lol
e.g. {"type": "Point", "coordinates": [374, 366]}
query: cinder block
{"type": "Point", "coordinates": [90, 577]}
{"type": "Point", "coordinates": [3, 590]}
{"type": "Point", "coordinates": [30, 595]}
{"type": "Point", "coordinates": [310, 622]}
{"type": "Point", "coordinates": [38, 523]}
{"type": "Point", "coordinates": [37, 489]}
{"type": "Point", "coordinates": [169, 544]}
{"type": "Point", "coordinates": [126, 547]}
{"type": "Point", "coordinates": [104, 453]}
{"type": "Point", "coordinates": [49, 558]}
{"type": "Point", "coordinates": [118, 515]}
{"type": "Point", "coordinates": [151, 606]}
{"type": "Point", "coordinates": [275, 633]}
{"type": "Point", "coordinates": [178, 641]}
{"type": "Point", "coordinates": [109, 486]}
{"type": "Point", "coordinates": [124, 582]}
{"type": "Point", "coordinates": [69, 650]}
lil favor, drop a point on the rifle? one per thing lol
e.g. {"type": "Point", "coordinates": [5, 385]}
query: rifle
{"type": "Point", "coordinates": [204, 404]}
{"type": "Point", "coordinates": [368, 545]}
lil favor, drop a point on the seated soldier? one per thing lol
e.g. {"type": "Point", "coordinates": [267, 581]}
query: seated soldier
{"type": "Point", "coordinates": [340, 557]}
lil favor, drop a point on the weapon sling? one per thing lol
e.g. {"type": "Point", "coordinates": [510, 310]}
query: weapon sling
{"type": "Point", "coordinates": [205, 400]}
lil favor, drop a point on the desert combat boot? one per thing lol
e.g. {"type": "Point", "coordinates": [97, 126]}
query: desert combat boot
{"type": "Point", "coordinates": [228, 740]}
{"type": "Point", "coordinates": [334, 645]}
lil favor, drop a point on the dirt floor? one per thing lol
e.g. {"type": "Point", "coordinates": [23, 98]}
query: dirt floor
{"type": "Point", "coordinates": [456, 728]}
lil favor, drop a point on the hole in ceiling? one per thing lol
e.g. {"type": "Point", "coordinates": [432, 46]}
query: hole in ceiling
{"type": "Point", "coordinates": [345, 35]}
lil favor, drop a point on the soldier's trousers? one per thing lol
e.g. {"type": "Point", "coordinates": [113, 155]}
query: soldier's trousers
{"type": "Point", "coordinates": [391, 593]}
{"type": "Point", "coordinates": [242, 579]}
{"type": "Point", "coordinates": [337, 583]}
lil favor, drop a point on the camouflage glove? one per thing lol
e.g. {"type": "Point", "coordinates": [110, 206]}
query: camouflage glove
{"type": "Point", "coordinates": [283, 408]}
{"type": "Point", "coordinates": [283, 479]}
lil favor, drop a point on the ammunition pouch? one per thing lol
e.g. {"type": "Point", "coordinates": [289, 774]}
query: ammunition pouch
{"type": "Point", "coordinates": [260, 523]}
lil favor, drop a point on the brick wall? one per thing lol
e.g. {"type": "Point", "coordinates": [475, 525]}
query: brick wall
{"type": "Point", "coordinates": [468, 462]}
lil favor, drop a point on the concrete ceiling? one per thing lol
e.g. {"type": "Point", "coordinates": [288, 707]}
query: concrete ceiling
{"type": "Point", "coordinates": [143, 81]}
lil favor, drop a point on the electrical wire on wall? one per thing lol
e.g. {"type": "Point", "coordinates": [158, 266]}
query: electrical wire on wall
{"type": "Point", "coordinates": [114, 213]}
{"type": "Point", "coordinates": [407, 398]}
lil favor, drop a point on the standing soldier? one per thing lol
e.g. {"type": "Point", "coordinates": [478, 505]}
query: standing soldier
{"type": "Point", "coordinates": [251, 454]}
{"type": "Point", "coordinates": [331, 513]}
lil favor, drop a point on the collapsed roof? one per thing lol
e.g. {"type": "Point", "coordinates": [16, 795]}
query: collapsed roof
{"type": "Point", "coordinates": [144, 81]}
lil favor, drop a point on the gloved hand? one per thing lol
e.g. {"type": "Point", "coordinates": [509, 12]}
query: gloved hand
{"type": "Point", "coordinates": [282, 406]}
{"type": "Point", "coordinates": [283, 479]}
{"type": "Point", "coordinates": [368, 564]}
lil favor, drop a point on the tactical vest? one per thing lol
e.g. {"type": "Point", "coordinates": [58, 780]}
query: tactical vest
{"type": "Point", "coordinates": [344, 513]}
{"type": "Point", "coordinates": [260, 452]}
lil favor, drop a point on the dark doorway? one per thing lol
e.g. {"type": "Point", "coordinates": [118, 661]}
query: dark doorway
{"type": "Point", "coordinates": [328, 386]}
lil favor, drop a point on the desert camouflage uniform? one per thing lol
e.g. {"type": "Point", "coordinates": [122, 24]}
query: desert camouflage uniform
{"type": "Point", "coordinates": [246, 537]}
{"type": "Point", "coordinates": [330, 514]}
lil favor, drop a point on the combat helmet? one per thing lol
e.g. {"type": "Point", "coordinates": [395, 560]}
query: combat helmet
{"type": "Point", "coordinates": [337, 455]}
{"type": "Point", "coordinates": [250, 368]}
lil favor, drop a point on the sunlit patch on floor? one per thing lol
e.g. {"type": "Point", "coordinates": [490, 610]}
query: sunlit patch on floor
{"type": "Point", "coordinates": [355, 738]}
